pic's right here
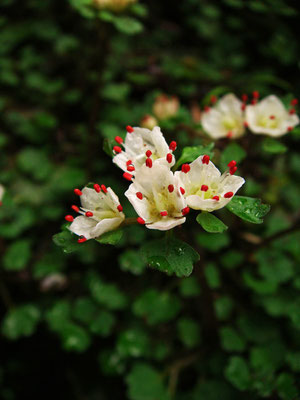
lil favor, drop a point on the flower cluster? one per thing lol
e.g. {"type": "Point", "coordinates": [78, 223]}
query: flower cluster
{"type": "Point", "coordinates": [161, 198]}
{"type": "Point", "coordinates": [229, 117]}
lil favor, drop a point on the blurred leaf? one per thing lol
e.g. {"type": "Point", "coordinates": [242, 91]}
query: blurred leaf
{"type": "Point", "coordinates": [128, 25]}
{"type": "Point", "coordinates": [231, 340]}
{"type": "Point", "coordinates": [189, 154]}
{"type": "Point", "coordinates": [188, 332]}
{"type": "Point", "coordinates": [237, 372]}
{"type": "Point", "coordinates": [273, 146]}
{"type": "Point", "coordinates": [21, 321]}
{"type": "Point", "coordinates": [133, 343]}
{"type": "Point", "coordinates": [232, 152]}
{"type": "Point", "coordinates": [17, 255]}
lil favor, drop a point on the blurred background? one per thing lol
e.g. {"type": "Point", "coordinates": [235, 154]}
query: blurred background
{"type": "Point", "coordinates": [93, 321]}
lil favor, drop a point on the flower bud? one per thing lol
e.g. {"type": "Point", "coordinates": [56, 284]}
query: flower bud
{"type": "Point", "coordinates": [149, 122]}
{"type": "Point", "coordinates": [165, 107]}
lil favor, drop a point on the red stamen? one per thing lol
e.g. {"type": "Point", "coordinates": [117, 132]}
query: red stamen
{"type": "Point", "coordinates": [290, 128]}
{"type": "Point", "coordinates": [118, 139]}
{"type": "Point", "coordinates": [272, 117]}
{"type": "Point", "coordinates": [253, 102]}
{"type": "Point", "coordinates": [205, 159]}
{"type": "Point", "coordinates": [185, 210]}
{"type": "Point", "coordinates": [82, 240]}
{"type": "Point", "coordinates": [149, 162]}
{"type": "Point", "coordinates": [127, 176]}
{"type": "Point", "coordinates": [185, 168]}
{"type": "Point", "coordinates": [228, 195]}
{"type": "Point", "coordinates": [213, 99]}
{"type": "Point", "coordinates": [164, 213]}
{"type": "Point", "coordinates": [120, 208]}
{"type": "Point", "coordinates": [204, 188]}
{"type": "Point", "coordinates": [75, 208]}
{"type": "Point", "coordinates": [148, 153]}
{"type": "Point", "coordinates": [244, 97]}
{"type": "Point", "coordinates": [140, 221]}
{"type": "Point", "coordinates": [255, 94]}
{"type": "Point", "coordinates": [246, 124]}
{"type": "Point", "coordinates": [292, 111]}
{"type": "Point", "coordinates": [232, 163]}
{"type": "Point", "coordinates": [129, 129]}
{"type": "Point", "coordinates": [217, 198]}
{"type": "Point", "coordinates": [97, 188]}
{"type": "Point", "coordinates": [103, 187]}
{"type": "Point", "coordinates": [182, 191]}
{"type": "Point", "coordinates": [89, 214]}
{"type": "Point", "coordinates": [206, 108]}
{"type": "Point", "coordinates": [169, 158]}
{"type": "Point", "coordinates": [69, 218]}
{"type": "Point", "coordinates": [130, 168]}
{"type": "Point", "coordinates": [128, 162]}
{"type": "Point", "coordinates": [294, 102]}
{"type": "Point", "coordinates": [170, 188]}
{"type": "Point", "coordinates": [139, 195]}
{"type": "Point", "coordinates": [232, 170]}
{"type": "Point", "coordinates": [173, 146]}
{"type": "Point", "coordinates": [229, 134]}
{"type": "Point", "coordinates": [117, 149]}
{"type": "Point", "coordinates": [78, 192]}
{"type": "Point", "coordinates": [243, 107]}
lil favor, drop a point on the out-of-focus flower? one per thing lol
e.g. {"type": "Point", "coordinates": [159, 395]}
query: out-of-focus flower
{"type": "Point", "coordinates": [157, 196]}
{"type": "Point", "coordinates": [225, 118]}
{"type": "Point", "coordinates": [53, 282]}
{"type": "Point", "coordinates": [142, 145]}
{"type": "Point", "coordinates": [149, 122]}
{"type": "Point", "coordinates": [205, 188]}
{"type": "Point", "coordinates": [165, 107]}
{"type": "Point", "coordinates": [100, 211]}
{"type": "Point", "coordinates": [270, 117]}
{"type": "Point", "coordinates": [114, 5]}
{"type": "Point", "coordinates": [2, 190]}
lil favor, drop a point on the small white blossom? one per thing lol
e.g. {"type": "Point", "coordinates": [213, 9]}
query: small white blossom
{"type": "Point", "coordinates": [100, 211]}
{"type": "Point", "coordinates": [270, 117]}
{"type": "Point", "coordinates": [157, 196]}
{"type": "Point", "coordinates": [165, 106]}
{"type": "Point", "coordinates": [225, 119]}
{"type": "Point", "coordinates": [141, 144]}
{"type": "Point", "coordinates": [205, 188]}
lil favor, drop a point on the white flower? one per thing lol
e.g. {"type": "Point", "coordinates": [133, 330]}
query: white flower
{"type": "Point", "coordinates": [225, 119]}
{"type": "Point", "coordinates": [101, 212]}
{"type": "Point", "coordinates": [141, 144]}
{"type": "Point", "coordinates": [205, 188]}
{"type": "Point", "coordinates": [270, 117]}
{"type": "Point", "coordinates": [2, 190]}
{"type": "Point", "coordinates": [156, 195]}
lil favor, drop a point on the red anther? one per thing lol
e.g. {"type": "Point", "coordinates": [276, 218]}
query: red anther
{"type": "Point", "coordinates": [120, 208]}
{"type": "Point", "coordinates": [78, 192]}
{"type": "Point", "coordinates": [217, 198]}
{"type": "Point", "coordinates": [185, 168]}
{"type": "Point", "coordinates": [246, 124]}
{"type": "Point", "coordinates": [140, 221]}
{"type": "Point", "coordinates": [149, 162]}
{"type": "Point", "coordinates": [89, 214]}
{"type": "Point", "coordinates": [75, 208]}
{"type": "Point", "coordinates": [130, 168]}
{"type": "Point", "coordinates": [171, 188]}
{"type": "Point", "coordinates": [117, 149]}
{"type": "Point", "coordinates": [164, 213]}
{"type": "Point", "coordinates": [232, 170]}
{"type": "Point", "coordinates": [290, 128]}
{"type": "Point", "coordinates": [253, 102]}
{"type": "Point", "coordinates": [97, 188]}
{"type": "Point", "coordinates": [103, 187]}
{"type": "Point", "coordinates": [182, 191]}
{"type": "Point", "coordinates": [255, 94]}
{"type": "Point", "coordinates": [243, 107]}
{"type": "Point", "coordinates": [169, 158]}
{"type": "Point", "coordinates": [69, 218]}
{"type": "Point", "coordinates": [229, 134]}
{"type": "Point", "coordinates": [82, 240]}
{"type": "Point", "coordinates": [118, 139]}
{"type": "Point", "coordinates": [244, 97]}
{"type": "Point", "coordinates": [129, 129]}
{"type": "Point", "coordinates": [213, 99]}
{"type": "Point", "coordinates": [206, 108]}
{"type": "Point", "coordinates": [127, 176]}
{"type": "Point", "coordinates": [148, 153]}
{"type": "Point", "coordinates": [294, 102]}
{"type": "Point", "coordinates": [272, 117]}
{"type": "Point", "coordinates": [128, 162]}
{"type": "Point", "coordinates": [173, 146]}
{"type": "Point", "coordinates": [185, 210]}
{"type": "Point", "coordinates": [205, 159]}
{"type": "Point", "coordinates": [204, 188]}
{"type": "Point", "coordinates": [292, 111]}
{"type": "Point", "coordinates": [228, 195]}
{"type": "Point", "coordinates": [232, 163]}
{"type": "Point", "coordinates": [139, 195]}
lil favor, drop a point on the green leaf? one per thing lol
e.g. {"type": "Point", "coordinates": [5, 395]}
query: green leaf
{"type": "Point", "coordinates": [67, 241]}
{"type": "Point", "coordinates": [103, 324]}
{"type": "Point", "coordinates": [74, 337]}
{"type": "Point", "coordinates": [171, 256]}
{"type": "Point", "coordinates": [273, 146]}
{"type": "Point", "coordinates": [231, 340]}
{"type": "Point", "coordinates": [232, 152]}
{"type": "Point", "coordinates": [145, 383]}
{"type": "Point", "coordinates": [17, 255]}
{"type": "Point", "coordinates": [188, 332]}
{"type": "Point", "coordinates": [210, 223]}
{"type": "Point", "coordinates": [189, 154]}
{"type": "Point", "coordinates": [128, 25]}
{"type": "Point", "coordinates": [112, 237]}
{"type": "Point", "coordinates": [107, 294]}
{"type": "Point", "coordinates": [212, 276]}
{"type": "Point", "coordinates": [248, 208]}
{"type": "Point", "coordinates": [189, 287]}
{"type": "Point", "coordinates": [133, 343]}
{"type": "Point", "coordinates": [286, 387]}
{"type": "Point", "coordinates": [223, 306]}
{"type": "Point", "coordinates": [237, 372]}
{"type": "Point", "coordinates": [132, 261]}
{"type": "Point", "coordinates": [213, 241]}
{"type": "Point", "coordinates": [21, 321]}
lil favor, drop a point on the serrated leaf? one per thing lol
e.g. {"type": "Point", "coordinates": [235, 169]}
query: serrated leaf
{"type": "Point", "coordinates": [248, 208]}
{"type": "Point", "coordinates": [190, 153]}
{"type": "Point", "coordinates": [112, 237]}
{"type": "Point", "coordinates": [171, 256]}
{"type": "Point", "coordinates": [210, 223]}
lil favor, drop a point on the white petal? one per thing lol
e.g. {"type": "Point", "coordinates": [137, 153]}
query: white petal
{"type": "Point", "coordinates": [120, 160]}
{"type": "Point", "coordinates": [159, 142]}
{"type": "Point", "coordinates": [166, 223]}
{"type": "Point", "coordinates": [82, 226]}
{"type": "Point", "coordinates": [90, 199]}
{"type": "Point", "coordinates": [230, 104]}
{"type": "Point", "coordinates": [197, 203]}
{"type": "Point", "coordinates": [232, 183]}
{"type": "Point", "coordinates": [106, 225]}
{"type": "Point", "coordinates": [212, 124]}
{"type": "Point", "coordinates": [141, 206]}
{"type": "Point", "coordinates": [2, 190]}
